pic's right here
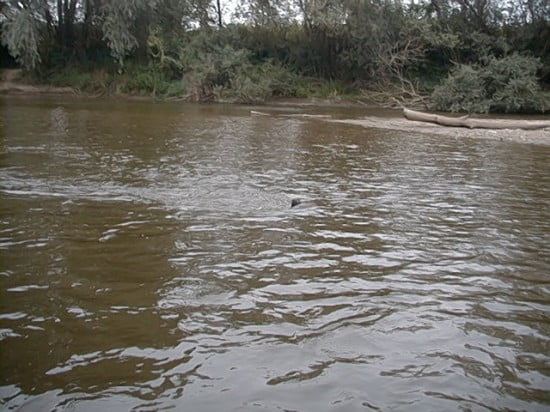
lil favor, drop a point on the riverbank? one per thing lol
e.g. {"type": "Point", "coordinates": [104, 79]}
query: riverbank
{"type": "Point", "coordinates": [538, 137]}
{"type": "Point", "coordinates": [10, 85]}
{"type": "Point", "coordinates": [139, 83]}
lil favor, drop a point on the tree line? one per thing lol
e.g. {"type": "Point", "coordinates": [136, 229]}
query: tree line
{"type": "Point", "coordinates": [465, 55]}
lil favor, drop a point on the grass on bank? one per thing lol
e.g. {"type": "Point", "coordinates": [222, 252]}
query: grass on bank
{"type": "Point", "coordinates": [253, 84]}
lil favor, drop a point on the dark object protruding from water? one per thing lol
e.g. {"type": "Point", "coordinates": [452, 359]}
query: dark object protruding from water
{"type": "Point", "coordinates": [295, 202]}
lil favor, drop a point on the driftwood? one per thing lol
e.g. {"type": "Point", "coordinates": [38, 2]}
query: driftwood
{"type": "Point", "coordinates": [256, 113]}
{"type": "Point", "coordinates": [301, 115]}
{"type": "Point", "coordinates": [308, 116]}
{"type": "Point", "coordinates": [466, 121]}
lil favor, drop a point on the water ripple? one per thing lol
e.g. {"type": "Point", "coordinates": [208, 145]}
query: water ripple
{"type": "Point", "coordinates": [151, 260]}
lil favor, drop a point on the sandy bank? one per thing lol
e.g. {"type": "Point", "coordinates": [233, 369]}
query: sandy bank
{"type": "Point", "coordinates": [539, 137]}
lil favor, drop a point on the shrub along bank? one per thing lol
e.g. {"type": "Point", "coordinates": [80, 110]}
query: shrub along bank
{"type": "Point", "coordinates": [452, 55]}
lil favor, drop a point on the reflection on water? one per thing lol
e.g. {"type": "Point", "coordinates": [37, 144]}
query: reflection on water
{"type": "Point", "coordinates": [150, 260]}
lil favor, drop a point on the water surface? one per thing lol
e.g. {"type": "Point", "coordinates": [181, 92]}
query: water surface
{"type": "Point", "coordinates": [150, 260]}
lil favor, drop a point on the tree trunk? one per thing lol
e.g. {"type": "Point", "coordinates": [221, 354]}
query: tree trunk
{"type": "Point", "coordinates": [49, 18]}
{"type": "Point", "coordinates": [60, 23]}
{"type": "Point", "coordinates": [465, 121]}
{"type": "Point", "coordinates": [86, 29]}
{"type": "Point", "coordinates": [219, 11]}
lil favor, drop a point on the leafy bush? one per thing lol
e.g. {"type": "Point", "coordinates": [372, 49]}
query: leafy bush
{"type": "Point", "coordinates": [210, 67]}
{"type": "Point", "coordinates": [511, 83]}
{"type": "Point", "coordinates": [214, 69]}
{"type": "Point", "coordinates": [21, 35]}
{"type": "Point", "coordinates": [145, 82]}
{"type": "Point", "coordinates": [462, 91]}
{"type": "Point", "coordinates": [247, 89]}
{"type": "Point", "coordinates": [73, 78]}
{"type": "Point", "coordinates": [507, 84]}
{"type": "Point", "coordinates": [152, 81]}
{"type": "Point", "coordinates": [88, 81]}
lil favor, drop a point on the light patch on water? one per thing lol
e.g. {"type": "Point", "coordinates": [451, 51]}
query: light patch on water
{"type": "Point", "coordinates": [6, 333]}
{"type": "Point", "coordinates": [27, 288]}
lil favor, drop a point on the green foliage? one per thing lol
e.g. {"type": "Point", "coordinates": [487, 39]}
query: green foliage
{"type": "Point", "coordinates": [72, 78]}
{"type": "Point", "coordinates": [511, 83]}
{"type": "Point", "coordinates": [87, 81]}
{"type": "Point", "coordinates": [209, 69]}
{"type": "Point", "coordinates": [507, 84]}
{"type": "Point", "coordinates": [21, 34]}
{"type": "Point", "coordinates": [329, 48]}
{"type": "Point", "coordinates": [257, 83]}
{"type": "Point", "coordinates": [325, 89]}
{"type": "Point", "coordinates": [462, 91]}
{"type": "Point", "coordinates": [213, 69]}
{"type": "Point", "coordinates": [150, 81]}
{"type": "Point", "coordinates": [120, 16]}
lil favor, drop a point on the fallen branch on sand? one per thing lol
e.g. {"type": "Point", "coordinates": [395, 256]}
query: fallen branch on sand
{"type": "Point", "coordinates": [465, 121]}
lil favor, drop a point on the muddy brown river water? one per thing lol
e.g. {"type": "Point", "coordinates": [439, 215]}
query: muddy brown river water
{"type": "Point", "coordinates": [150, 260]}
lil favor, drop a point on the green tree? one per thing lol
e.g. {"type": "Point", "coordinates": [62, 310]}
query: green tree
{"type": "Point", "coordinates": [119, 26]}
{"type": "Point", "coordinates": [21, 31]}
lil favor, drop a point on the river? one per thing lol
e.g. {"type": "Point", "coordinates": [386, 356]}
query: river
{"type": "Point", "coordinates": [150, 260]}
